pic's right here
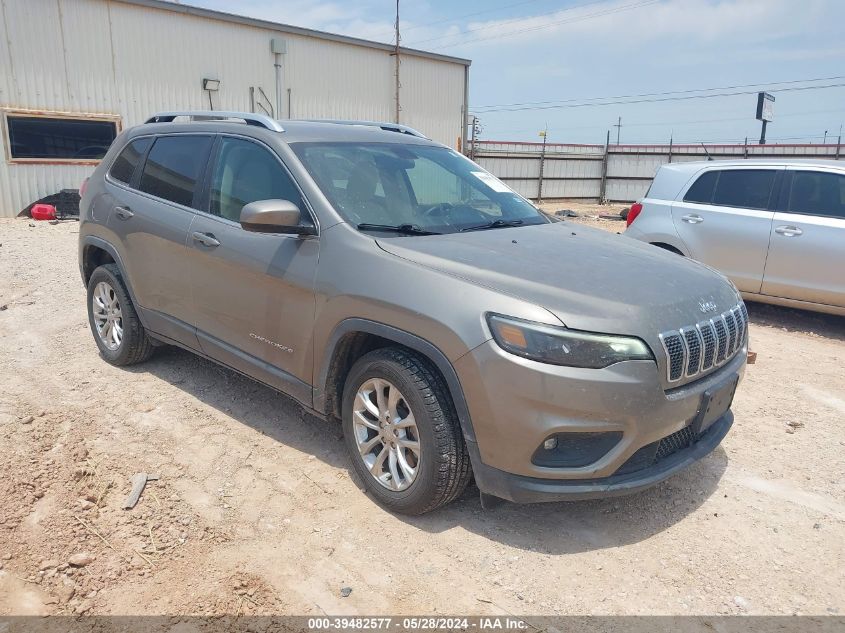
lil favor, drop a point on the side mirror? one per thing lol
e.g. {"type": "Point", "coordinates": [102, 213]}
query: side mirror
{"type": "Point", "coordinates": [274, 216]}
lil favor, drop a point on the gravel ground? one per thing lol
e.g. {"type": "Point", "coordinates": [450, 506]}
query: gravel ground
{"type": "Point", "coordinates": [255, 510]}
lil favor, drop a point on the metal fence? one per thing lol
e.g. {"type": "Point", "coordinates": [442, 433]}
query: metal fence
{"type": "Point", "coordinates": [612, 173]}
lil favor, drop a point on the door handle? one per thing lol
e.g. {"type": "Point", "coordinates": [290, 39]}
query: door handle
{"type": "Point", "coordinates": [206, 239]}
{"type": "Point", "coordinates": [124, 213]}
{"type": "Point", "coordinates": [692, 218]}
{"type": "Point", "coordinates": [789, 231]}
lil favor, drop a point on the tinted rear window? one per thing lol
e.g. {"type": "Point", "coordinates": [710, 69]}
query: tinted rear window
{"type": "Point", "coordinates": [173, 167]}
{"type": "Point", "coordinates": [127, 161]}
{"type": "Point", "coordinates": [745, 188]}
{"type": "Point", "coordinates": [818, 193]}
{"type": "Point", "coordinates": [702, 189]}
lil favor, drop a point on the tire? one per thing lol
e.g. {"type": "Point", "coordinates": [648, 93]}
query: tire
{"type": "Point", "coordinates": [134, 346]}
{"type": "Point", "coordinates": [443, 467]}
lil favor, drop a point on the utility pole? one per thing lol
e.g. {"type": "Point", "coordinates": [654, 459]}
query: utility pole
{"type": "Point", "coordinates": [396, 54]}
{"type": "Point", "coordinates": [603, 186]}
{"type": "Point", "coordinates": [618, 127]}
{"type": "Point", "coordinates": [544, 133]}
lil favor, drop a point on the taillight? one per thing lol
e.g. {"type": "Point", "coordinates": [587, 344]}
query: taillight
{"type": "Point", "coordinates": [633, 212]}
{"type": "Point", "coordinates": [83, 187]}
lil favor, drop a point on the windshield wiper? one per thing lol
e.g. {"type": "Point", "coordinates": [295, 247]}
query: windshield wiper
{"type": "Point", "coordinates": [495, 224]}
{"type": "Point", "coordinates": [409, 229]}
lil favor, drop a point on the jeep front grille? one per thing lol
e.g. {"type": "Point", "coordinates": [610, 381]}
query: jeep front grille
{"type": "Point", "coordinates": [695, 349]}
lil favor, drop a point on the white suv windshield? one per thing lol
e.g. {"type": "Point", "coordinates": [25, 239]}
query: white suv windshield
{"type": "Point", "coordinates": [432, 189]}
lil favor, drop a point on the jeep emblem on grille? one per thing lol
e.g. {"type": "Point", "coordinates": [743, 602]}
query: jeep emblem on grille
{"type": "Point", "coordinates": [707, 306]}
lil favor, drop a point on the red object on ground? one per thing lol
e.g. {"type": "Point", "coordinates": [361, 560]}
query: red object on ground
{"type": "Point", "coordinates": [43, 212]}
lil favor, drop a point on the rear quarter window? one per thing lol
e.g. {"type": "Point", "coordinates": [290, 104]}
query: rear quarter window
{"type": "Point", "coordinates": [124, 166]}
{"type": "Point", "coordinates": [702, 189]}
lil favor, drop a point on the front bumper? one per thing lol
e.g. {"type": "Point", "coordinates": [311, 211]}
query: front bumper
{"type": "Point", "coordinates": [520, 489]}
{"type": "Point", "coordinates": [515, 404]}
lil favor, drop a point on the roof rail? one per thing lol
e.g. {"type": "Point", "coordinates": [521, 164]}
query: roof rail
{"type": "Point", "coordinates": [389, 127]}
{"type": "Point", "coordinates": [250, 118]}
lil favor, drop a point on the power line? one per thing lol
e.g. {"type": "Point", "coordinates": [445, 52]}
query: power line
{"type": "Point", "coordinates": [669, 124]}
{"type": "Point", "coordinates": [634, 101]}
{"type": "Point", "coordinates": [510, 21]}
{"type": "Point", "coordinates": [732, 141]}
{"type": "Point", "coordinates": [661, 94]}
{"type": "Point", "coordinates": [589, 16]}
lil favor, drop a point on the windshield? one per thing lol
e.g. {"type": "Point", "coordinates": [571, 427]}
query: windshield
{"type": "Point", "coordinates": [415, 187]}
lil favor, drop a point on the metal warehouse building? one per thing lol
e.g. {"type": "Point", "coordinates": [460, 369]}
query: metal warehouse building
{"type": "Point", "coordinates": [73, 73]}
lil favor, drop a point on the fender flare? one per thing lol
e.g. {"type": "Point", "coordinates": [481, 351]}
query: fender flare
{"type": "Point", "coordinates": [412, 341]}
{"type": "Point", "coordinates": [98, 242]}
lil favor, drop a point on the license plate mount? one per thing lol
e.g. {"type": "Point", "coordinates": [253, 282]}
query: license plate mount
{"type": "Point", "coordinates": [714, 404]}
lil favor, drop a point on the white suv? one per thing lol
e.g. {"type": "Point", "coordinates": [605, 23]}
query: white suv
{"type": "Point", "coordinates": [775, 228]}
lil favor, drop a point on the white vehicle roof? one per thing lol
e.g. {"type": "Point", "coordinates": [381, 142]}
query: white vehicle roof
{"type": "Point", "coordinates": [671, 178]}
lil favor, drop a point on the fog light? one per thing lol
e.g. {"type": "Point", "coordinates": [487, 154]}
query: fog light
{"type": "Point", "coordinates": [572, 449]}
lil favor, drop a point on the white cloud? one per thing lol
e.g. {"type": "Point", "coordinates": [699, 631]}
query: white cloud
{"type": "Point", "coordinates": [305, 13]}
{"type": "Point", "coordinates": [702, 21]}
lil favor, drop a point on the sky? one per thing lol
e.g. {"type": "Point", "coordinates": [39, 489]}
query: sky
{"type": "Point", "coordinates": [574, 67]}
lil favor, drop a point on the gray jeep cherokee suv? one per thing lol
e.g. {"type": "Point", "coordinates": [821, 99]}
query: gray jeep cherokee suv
{"type": "Point", "coordinates": [387, 281]}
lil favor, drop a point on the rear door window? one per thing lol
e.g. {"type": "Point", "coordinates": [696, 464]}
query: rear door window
{"type": "Point", "coordinates": [703, 188]}
{"type": "Point", "coordinates": [817, 193]}
{"type": "Point", "coordinates": [173, 167]}
{"type": "Point", "coordinates": [126, 163]}
{"type": "Point", "coordinates": [744, 188]}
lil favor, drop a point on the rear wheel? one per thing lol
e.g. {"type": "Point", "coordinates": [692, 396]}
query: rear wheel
{"type": "Point", "coordinates": [117, 330]}
{"type": "Point", "coordinates": [402, 433]}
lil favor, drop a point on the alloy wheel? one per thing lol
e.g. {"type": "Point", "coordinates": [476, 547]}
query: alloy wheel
{"type": "Point", "coordinates": [108, 319]}
{"type": "Point", "coordinates": [386, 434]}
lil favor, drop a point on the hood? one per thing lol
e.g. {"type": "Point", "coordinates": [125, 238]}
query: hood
{"type": "Point", "coordinates": [590, 279]}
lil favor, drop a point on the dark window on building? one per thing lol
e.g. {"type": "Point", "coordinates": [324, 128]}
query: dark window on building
{"type": "Point", "coordinates": [745, 188]}
{"type": "Point", "coordinates": [127, 161]}
{"type": "Point", "coordinates": [818, 193]}
{"type": "Point", "coordinates": [244, 173]}
{"type": "Point", "coordinates": [702, 189]}
{"type": "Point", "coordinates": [65, 139]}
{"type": "Point", "coordinates": [173, 167]}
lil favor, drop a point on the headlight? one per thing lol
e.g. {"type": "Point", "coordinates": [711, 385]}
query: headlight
{"type": "Point", "coordinates": [560, 346]}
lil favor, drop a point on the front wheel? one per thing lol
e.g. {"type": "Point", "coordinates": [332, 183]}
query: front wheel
{"type": "Point", "coordinates": [117, 330]}
{"type": "Point", "coordinates": [402, 432]}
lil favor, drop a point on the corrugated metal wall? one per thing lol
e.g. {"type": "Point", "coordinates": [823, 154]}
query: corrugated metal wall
{"type": "Point", "coordinates": [575, 171]}
{"type": "Point", "coordinates": [101, 56]}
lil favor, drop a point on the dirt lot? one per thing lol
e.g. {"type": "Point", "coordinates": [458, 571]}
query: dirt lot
{"type": "Point", "coordinates": [255, 510]}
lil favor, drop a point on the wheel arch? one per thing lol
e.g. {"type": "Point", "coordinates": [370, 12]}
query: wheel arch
{"type": "Point", "coordinates": [354, 337]}
{"type": "Point", "coordinates": [94, 252]}
{"type": "Point", "coordinates": [668, 247]}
